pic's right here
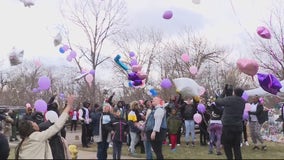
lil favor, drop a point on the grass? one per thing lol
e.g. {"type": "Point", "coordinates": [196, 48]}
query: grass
{"type": "Point", "coordinates": [274, 151]}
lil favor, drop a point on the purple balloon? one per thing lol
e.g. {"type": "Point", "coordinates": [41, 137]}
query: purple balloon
{"type": "Point", "coordinates": [131, 54]}
{"type": "Point", "coordinates": [245, 116]}
{"type": "Point", "coordinates": [65, 47]}
{"type": "Point", "coordinates": [269, 83]}
{"type": "Point", "coordinates": [166, 83]}
{"type": "Point", "coordinates": [35, 90]}
{"type": "Point", "coordinates": [201, 108]}
{"type": "Point", "coordinates": [137, 82]}
{"type": "Point", "coordinates": [44, 83]}
{"type": "Point", "coordinates": [133, 76]}
{"type": "Point", "coordinates": [245, 96]}
{"type": "Point", "coordinates": [69, 58]}
{"type": "Point", "coordinates": [133, 62]}
{"type": "Point", "coordinates": [92, 72]}
{"type": "Point", "coordinates": [40, 105]}
{"type": "Point", "coordinates": [73, 54]}
{"type": "Point", "coordinates": [61, 95]}
{"type": "Point", "coordinates": [168, 14]}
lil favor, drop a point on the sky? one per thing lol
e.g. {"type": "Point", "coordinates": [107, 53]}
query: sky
{"type": "Point", "coordinates": [223, 22]}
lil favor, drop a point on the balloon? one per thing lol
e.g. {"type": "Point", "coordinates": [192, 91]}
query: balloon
{"type": "Point", "coordinates": [37, 63]}
{"type": "Point", "coordinates": [166, 83]}
{"type": "Point", "coordinates": [196, 1]}
{"type": "Point", "coordinates": [121, 64]}
{"type": "Point", "coordinates": [61, 95]}
{"type": "Point", "coordinates": [168, 14]}
{"type": "Point", "coordinates": [202, 90]}
{"type": "Point", "coordinates": [131, 54]}
{"type": "Point", "coordinates": [40, 105]}
{"type": "Point", "coordinates": [92, 72]}
{"type": "Point", "coordinates": [197, 118]}
{"type": "Point", "coordinates": [136, 68]}
{"type": "Point", "coordinates": [187, 87]}
{"type": "Point", "coordinates": [130, 84]}
{"type": "Point", "coordinates": [16, 56]}
{"type": "Point", "coordinates": [185, 57]}
{"type": "Point", "coordinates": [245, 116]}
{"type": "Point", "coordinates": [193, 70]}
{"type": "Point", "coordinates": [201, 108]}
{"type": "Point", "coordinates": [69, 58]}
{"type": "Point", "coordinates": [263, 32]}
{"type": "Point", "coordinates": [133, 62]}
{"type": "Point", "coordinates": [51, 116]}
{"type": "Point", "coordinates": [245, 96]}
{"type": "Point", "coordinates": [247, 107]}
{"type": "Point", "coordinates": [137, 82]}
{"type": "Point", "coordinates": [153, 92]}
{"type": "Point", "coordinates": [73, 54]}
{"type": "Point", "coordinates": [261, 100]}
{"type": "Point", "coordinates": [89, 78]}
{"type": "Point", "coordinates": [248, 66]}
{"type": "Point", "coordinates": [35, 90]}
{"type": "Point", "coordinates": [44, 83]}
{"type": "Point", "coordinates": [28, 105]}
{"type": "Point", "coordinates": [269, 83]}
{"type": "Point", "coordinates": [61, 50]}
{"type": "Point", "coordinates": [65, 47]}
{"type": "Point", "coordinates": [57, 39]}
{"type": "Point", "coordinates": [28, 3]}
{"type": "Point", "coordinates": [141, 75]}
{"type": "Point", "coordinates": [133, 76]}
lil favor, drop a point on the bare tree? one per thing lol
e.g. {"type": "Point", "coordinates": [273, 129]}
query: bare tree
{"type": "Point", "coordinates": [98, 20]}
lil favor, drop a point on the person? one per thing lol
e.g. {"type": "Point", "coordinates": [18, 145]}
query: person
{"type": "Point", "coordinates": [119, 129]}
{"type": "Point", "coordinates": [7, 124]}
{"type": "Point", "coordinates": [147, 143]}
{"type": "Point", "coordinates": [85, 120]}
{"type": "Point", "coordinates": [174, 122]}
{"type": "Point", "coordinates": [34, 144]}
{"type": "Point", "coordinates": [28, 114]}
{"type": "Point", "coordinates": [4, 146]}
{"type": "Point", "coordinates": [255, 122]}
{"type": "Point", "coordinates": [189, 108]}
{"type": "Point", "coordinates": [282, 117]}
{"type": "Point", "coordinates": [156, 127]}
{"type": "Point", "coordinates": [133, 118]}
{"type": "Point", "coordinates": [74, 114]}
{"type": "Point", "coordinates": [104, 129]}
{"type": "Point", "coordinates": [14, 116]}
{"type": "Point", "coordinates": [245, 134]}
{"type": "Point", "coordinates": [232, 118]}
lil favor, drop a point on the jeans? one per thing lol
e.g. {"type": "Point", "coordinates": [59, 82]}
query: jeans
{"type": "Point", "coordinates": [102, 150]}
{"type": "Point", "coordinates": [231, 139]}
{"type": "Point", "coordinates": [215, 133]}
{"type": "Point", "coordinates": [134, 140]}
{"type": "Point", "coordinates": [157, 143]}
{"type": "Point", "coordinates": [117, 145]}
{"type": "Point", "coordinates": [189, 128]}
{"type": "Point", "coordinates": [148, 149]}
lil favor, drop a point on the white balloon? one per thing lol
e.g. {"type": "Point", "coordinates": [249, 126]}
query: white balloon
{"type": "Point", "coordinates": [187, 87]}
{"type": "Point", "coordinates": [51, 116]}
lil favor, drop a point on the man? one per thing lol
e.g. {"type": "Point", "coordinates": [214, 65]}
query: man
{"type": "Point", "coordinates": [232, 122]}
{"type": "Point", "coordinates": [85, 120]}
{"type": "Point", "coordinates": [156, 127]}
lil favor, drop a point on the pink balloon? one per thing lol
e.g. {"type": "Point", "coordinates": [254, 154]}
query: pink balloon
{"type": "Point", "coordinates": [193, 70]}
{"type": "Point", "coordinates": [44, 83]}
{"type": "Point", "coordinates": [202, 90]}
{"type": "Point", "coordinates": [248, 66]}
{"type": "Point", "coordinates": [185, 57]}
{"type": "Point", "coordinates": [37, 63]}
{"type": "Point", "coordinates": [141, 75]}
{"type": "Point", "coordinates": [247, 107]}
{"type": "Point", "coordinates": [89, 78]}
{"type": "Point", "coordinates": [168, 14]}
{"type": "Point", "coordinates": [136, 68]}
{"type": "Point", "coordinates": [263, 32]}
{"type": "Point", "coordinates": [69, 58]}
{"type": "Point", "coordinates": [197, 118]}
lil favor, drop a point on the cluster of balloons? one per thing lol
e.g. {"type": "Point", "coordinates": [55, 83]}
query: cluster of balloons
{"type": "Point", "coordinates": [43, 84]}
{"type": "Point", "coordinates": [72, 53]}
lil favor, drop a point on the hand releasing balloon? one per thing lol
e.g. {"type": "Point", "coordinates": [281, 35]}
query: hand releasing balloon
{"type": "Point", "coordinates": [121, 64]}
{"type": "Point", "coordinates": [269, 83]}
{"type": "Point", "coordinates": [248, 66]}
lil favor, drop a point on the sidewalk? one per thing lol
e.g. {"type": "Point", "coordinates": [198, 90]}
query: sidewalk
{"type": "Point", "coordinates": [83, 154]}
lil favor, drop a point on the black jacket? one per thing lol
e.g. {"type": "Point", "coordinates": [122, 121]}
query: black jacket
{"type": "Point", "coordinates": [119, 126]}
{"type": "Point", "coordinates": [233, 110]}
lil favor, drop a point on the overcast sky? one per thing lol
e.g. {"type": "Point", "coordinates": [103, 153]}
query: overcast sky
{"type": "Point", "coordinates": [224, 22]}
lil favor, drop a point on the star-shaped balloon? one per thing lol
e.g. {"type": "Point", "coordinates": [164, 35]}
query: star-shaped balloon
{"type": "Point", "coordinates": [269, 83]}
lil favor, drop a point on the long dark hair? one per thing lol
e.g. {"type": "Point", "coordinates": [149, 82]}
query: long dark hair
{"type": "Point", "coordinates": [25, 130]}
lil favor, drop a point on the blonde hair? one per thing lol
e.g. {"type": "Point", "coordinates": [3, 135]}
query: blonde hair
{"type": "Point", "coordinates": [134, 105]}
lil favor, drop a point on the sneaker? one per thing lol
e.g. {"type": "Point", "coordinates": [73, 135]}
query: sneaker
{"type": "Point", "coordinates": [173, 150]}
{"type": "Point", "coordinates": [170, 144]}
{"type": "Point", "coordinates": [219, 153]}
{"type": "Point", "coordinates": [133, 154]}
{"type": "Point", "coordinates": [247, 144]}
{"type": "Point", "coordinates": [192, 144]}
{"type": "Point", "coordinates": [255, 148]}
{"type": "Point", "coordinates": [210, 152]}
{"type": "Point", "coordinates": [178, 144]}
{"type": "Point", "coordinates": [264, 148]}
{"type": "Point", "coordinates": [110, 145]}
{"type": "Point", "coordinates": [241, 144]}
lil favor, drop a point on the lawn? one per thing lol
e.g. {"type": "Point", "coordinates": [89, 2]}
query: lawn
{"type": "Point", "coordinates": [274, 151]}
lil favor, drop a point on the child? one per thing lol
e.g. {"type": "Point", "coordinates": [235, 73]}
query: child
{"type": "Point", "coordinates": [173, 123]}
{"type": "Point", "coordinates": [4, 145]}
{"type": "Point", "coordinates": [119, 131]}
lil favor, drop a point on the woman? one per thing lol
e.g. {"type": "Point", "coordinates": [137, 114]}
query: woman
{"type": "Point", "coordinates": [35, 144]}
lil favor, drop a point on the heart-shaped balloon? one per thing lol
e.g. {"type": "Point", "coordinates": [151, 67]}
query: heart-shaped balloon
{"type": "Point", "coordinates": [141, 75]}
{"type": "Point", "coordinates": [248, 66]}
{"type": "Point", "coordinates": [269, 83]}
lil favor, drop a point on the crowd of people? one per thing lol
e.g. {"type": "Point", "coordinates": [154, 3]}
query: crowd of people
{"type": "Point", "coordinates": [148, 124]}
